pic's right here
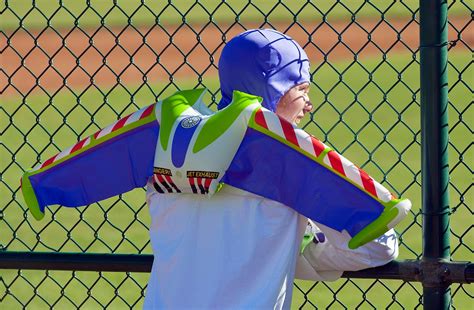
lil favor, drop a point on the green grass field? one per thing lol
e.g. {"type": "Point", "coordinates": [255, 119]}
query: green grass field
{"type": "Point", "coordinates": [374, 123]}
{"type": "Point", "coordinates": [72, 12]}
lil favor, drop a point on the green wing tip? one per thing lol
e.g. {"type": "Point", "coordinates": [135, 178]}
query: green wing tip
{"type": "Point", "coordinates": [390, 217]}
{"type": "Point", "coordinates": [30, 197]}
{"type": "Point", "coordinates": [37, 214]}
{"type": "Point", "coordinates": [369, 233]}
{"type": "Point", "coordinates": [377, 228]}
{"type": "Point", "coordinates": [354, 244]}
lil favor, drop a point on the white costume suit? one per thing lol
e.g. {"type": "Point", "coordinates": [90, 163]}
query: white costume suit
{"type": "Point", "coordinates": [238, 251]}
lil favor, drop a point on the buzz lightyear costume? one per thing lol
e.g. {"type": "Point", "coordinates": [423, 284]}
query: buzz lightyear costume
{"type": "Point", "coordinates": [229, 192]}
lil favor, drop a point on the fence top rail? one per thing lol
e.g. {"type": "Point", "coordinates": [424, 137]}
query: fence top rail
{"type": "Point", "coordinates": [406, 270]}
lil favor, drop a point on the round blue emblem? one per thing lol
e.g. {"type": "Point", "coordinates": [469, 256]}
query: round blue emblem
{"type": "Point", "coordinates": [190, 122]}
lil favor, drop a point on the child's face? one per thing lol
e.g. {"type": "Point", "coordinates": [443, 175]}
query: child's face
{"type": "Point", "coordinates": [295, 103]}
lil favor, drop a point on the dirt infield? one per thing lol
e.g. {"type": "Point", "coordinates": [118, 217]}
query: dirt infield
{"type": "Point", "coordinates": [50, 60]}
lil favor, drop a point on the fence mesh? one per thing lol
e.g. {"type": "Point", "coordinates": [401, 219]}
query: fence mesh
{"type": "Point", "coordinates": [72, 67]}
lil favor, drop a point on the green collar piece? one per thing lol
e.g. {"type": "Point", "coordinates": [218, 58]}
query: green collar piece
{"type": "Point", "coordinates": [218, 123]}
{"type": "Point", "coordinates": [172, 107]}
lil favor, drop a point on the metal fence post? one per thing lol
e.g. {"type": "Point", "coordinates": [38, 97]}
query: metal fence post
{"type": "Point", "coordinates": [434, 141]}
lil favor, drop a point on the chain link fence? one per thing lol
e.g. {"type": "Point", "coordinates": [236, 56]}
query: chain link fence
{"type": "Point", "coordinates": [72, 67]}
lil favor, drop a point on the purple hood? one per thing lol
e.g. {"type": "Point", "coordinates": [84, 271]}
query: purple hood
{"type": "Point", "coordinates": [261, 62]}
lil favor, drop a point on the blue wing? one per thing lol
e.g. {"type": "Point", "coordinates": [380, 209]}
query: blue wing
{"type": "Point", "coordinates": [114, 160]}
{"type": "Point", "coordinates": [287, 165]}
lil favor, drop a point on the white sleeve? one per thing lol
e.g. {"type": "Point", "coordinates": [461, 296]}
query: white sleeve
{"type": "Point", "coordinates": [329, 257]}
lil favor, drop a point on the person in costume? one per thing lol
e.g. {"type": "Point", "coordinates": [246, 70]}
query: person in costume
{"type": "Point", "coordinates": [238, 249]}
{"type": "Point", "coordinates": [230, 193]}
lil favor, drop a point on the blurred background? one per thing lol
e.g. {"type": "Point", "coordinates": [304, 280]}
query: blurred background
{"type": "Point", "coordinates": [69, 68]}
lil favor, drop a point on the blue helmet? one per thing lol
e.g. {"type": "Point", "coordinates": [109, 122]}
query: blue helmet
{"type": "Point", "coordinates": [261, 62]}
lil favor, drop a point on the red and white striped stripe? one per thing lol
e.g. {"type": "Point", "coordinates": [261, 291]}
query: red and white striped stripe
{"type": "Point", "coordinates": [127, 120]}
{"type": "Point", "coordinates": [314, 147]}
{"type": "Point", "coordinates": [287, 131]}
{"type": "Point", "coordinates": [346, 168]}
{"type": "Point", "coordinates": [79, 145]}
